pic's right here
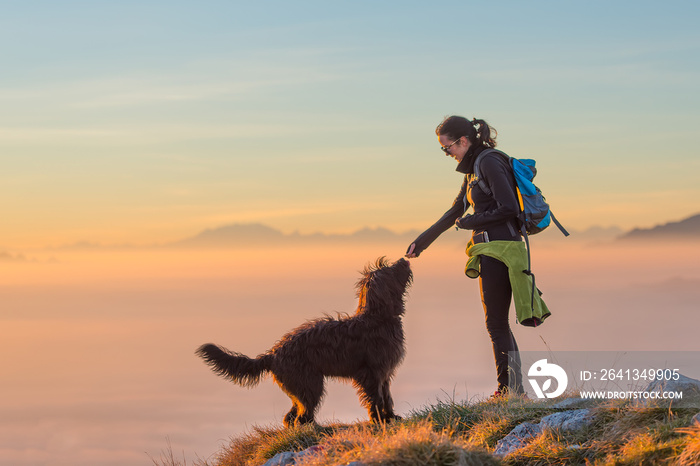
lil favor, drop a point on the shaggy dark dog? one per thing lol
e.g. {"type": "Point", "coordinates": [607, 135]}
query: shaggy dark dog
{"type": "Point", "coordinates": [365, 348]}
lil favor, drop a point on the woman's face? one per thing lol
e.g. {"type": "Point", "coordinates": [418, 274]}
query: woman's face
{"type": "Point", "coordinates": [456, 149]}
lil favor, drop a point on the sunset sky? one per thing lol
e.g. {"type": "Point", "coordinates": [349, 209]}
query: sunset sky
{"type": "Point", "coordinates": [146, 122]}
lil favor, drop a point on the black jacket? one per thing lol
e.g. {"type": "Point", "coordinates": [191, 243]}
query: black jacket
{"type": "Point", "coordinates": [496, 214]}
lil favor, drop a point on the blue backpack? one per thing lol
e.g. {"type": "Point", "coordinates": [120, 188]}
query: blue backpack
{"type": "Point", "coordinates": [535, 214]}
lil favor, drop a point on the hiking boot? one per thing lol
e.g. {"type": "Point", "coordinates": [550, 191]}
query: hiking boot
{"type": "Point", "coordinates": [506, 392]}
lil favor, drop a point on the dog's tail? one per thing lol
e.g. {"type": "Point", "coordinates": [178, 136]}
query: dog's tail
{"type": "Point", "coordinates": [239, 367]}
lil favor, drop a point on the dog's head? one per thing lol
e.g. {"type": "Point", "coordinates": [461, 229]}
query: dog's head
{"type": "Point", "coordinates": [383, 286]}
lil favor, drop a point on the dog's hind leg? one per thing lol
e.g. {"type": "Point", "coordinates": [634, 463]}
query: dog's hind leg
{"type": "Point", "coordinates": [291, 416]}
{"type": "Point", "coordinates": [306, 392]}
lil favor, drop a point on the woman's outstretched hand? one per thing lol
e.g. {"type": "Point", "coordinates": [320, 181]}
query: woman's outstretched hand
{"type": "Point", "coordinates": [410, 254]}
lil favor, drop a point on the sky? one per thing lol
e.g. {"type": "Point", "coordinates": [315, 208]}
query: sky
{"type": "Point", "coordinates": [145, 122]}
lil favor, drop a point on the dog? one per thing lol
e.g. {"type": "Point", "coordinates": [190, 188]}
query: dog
{"type": "Point", "coordinates": [365, 348]}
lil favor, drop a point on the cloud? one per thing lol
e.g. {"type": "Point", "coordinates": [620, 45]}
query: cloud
{"type": "Point", "coordinates": [8, 257]}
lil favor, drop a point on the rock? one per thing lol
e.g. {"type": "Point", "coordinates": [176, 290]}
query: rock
{"type": "Point", "coordinates": [572, 403]}
{"type": "Point", "coordinates": [682, 384]}
{"type": "Point", "coordinates": [566, 421]}
{"type": "Point", "coordinates": [309, 451]}
{"type": "Point", "coordinates": [689, 388]}
{"type": "Point", "coordinates": [281, 459]}
{"type": "Point", "coordinates": [517, 438]}
{"type": "Point", "coordinates": [289, 457]}
{"type": "Point", "coordinates": [695, 421]}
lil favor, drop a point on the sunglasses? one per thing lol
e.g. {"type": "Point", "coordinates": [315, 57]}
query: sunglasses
{"type": "Point", "coordinates": [446, 149]}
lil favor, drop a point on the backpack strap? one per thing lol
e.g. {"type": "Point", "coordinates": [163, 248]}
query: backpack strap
{"type": "Point", "coordinates": [559, 225]}
{"type": "Point", "coordinates": [481, 182]}
{"type": "Point", "coordinates": [477, 168]}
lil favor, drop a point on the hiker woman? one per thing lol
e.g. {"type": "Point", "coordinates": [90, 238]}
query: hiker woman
{"type": "Point", "coordinates": [494, 218]}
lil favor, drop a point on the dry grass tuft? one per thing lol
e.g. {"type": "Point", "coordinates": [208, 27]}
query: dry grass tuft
{"type": "Point", "coordinates": [483, 423]}
{"type": "Point", "coordinates": [547, 448]}
{"type": "Point", "coordinates": [400, 444]}
{"type": "Point", "coordinates": [264, 443]}
{"type": "Point", "coordinates": [486, 432]}
{"type": "Point", "coordinates": [690, 455]}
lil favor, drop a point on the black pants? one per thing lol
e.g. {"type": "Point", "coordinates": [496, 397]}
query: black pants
{"type": "Point", "coordinates": [496, 296]}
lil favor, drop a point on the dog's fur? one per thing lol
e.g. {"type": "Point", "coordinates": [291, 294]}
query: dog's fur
{"type": "Point", "coordinates": [365, 348]}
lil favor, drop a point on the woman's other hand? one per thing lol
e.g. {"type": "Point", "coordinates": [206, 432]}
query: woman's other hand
{"type": "Point", "coordinates": [464, 223]}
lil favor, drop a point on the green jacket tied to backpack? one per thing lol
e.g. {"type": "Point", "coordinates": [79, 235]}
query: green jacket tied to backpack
{"type": "Point", "coordinates": [530, 309]}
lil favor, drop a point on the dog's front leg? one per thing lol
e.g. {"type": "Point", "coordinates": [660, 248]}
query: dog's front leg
{"type": "Point", "coordinates": [369, 389]}
{"type": "Point", "coordinates": [388, 413]}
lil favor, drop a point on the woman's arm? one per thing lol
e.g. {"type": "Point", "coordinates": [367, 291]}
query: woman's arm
{"type": "Point", "coordinates": [459, 206]}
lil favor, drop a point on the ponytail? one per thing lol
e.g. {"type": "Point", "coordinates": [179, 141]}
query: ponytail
{"type": "Point", "coordinates": [483, 132]}
{"type": "Point", "coordinates": [477, 131]}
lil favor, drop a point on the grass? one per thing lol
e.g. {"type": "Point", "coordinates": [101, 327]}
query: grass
{"type": "Point", "coordinates": [450, 433]}
{"type": "Point", "coordinates": [402, 443]}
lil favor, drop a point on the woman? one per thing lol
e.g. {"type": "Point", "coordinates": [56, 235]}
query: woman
{"type": "Point", "coordinates": [494, 218]}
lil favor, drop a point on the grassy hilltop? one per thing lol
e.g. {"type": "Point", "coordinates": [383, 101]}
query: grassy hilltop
{"type": "Point", "coordinates": [448, 433]}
